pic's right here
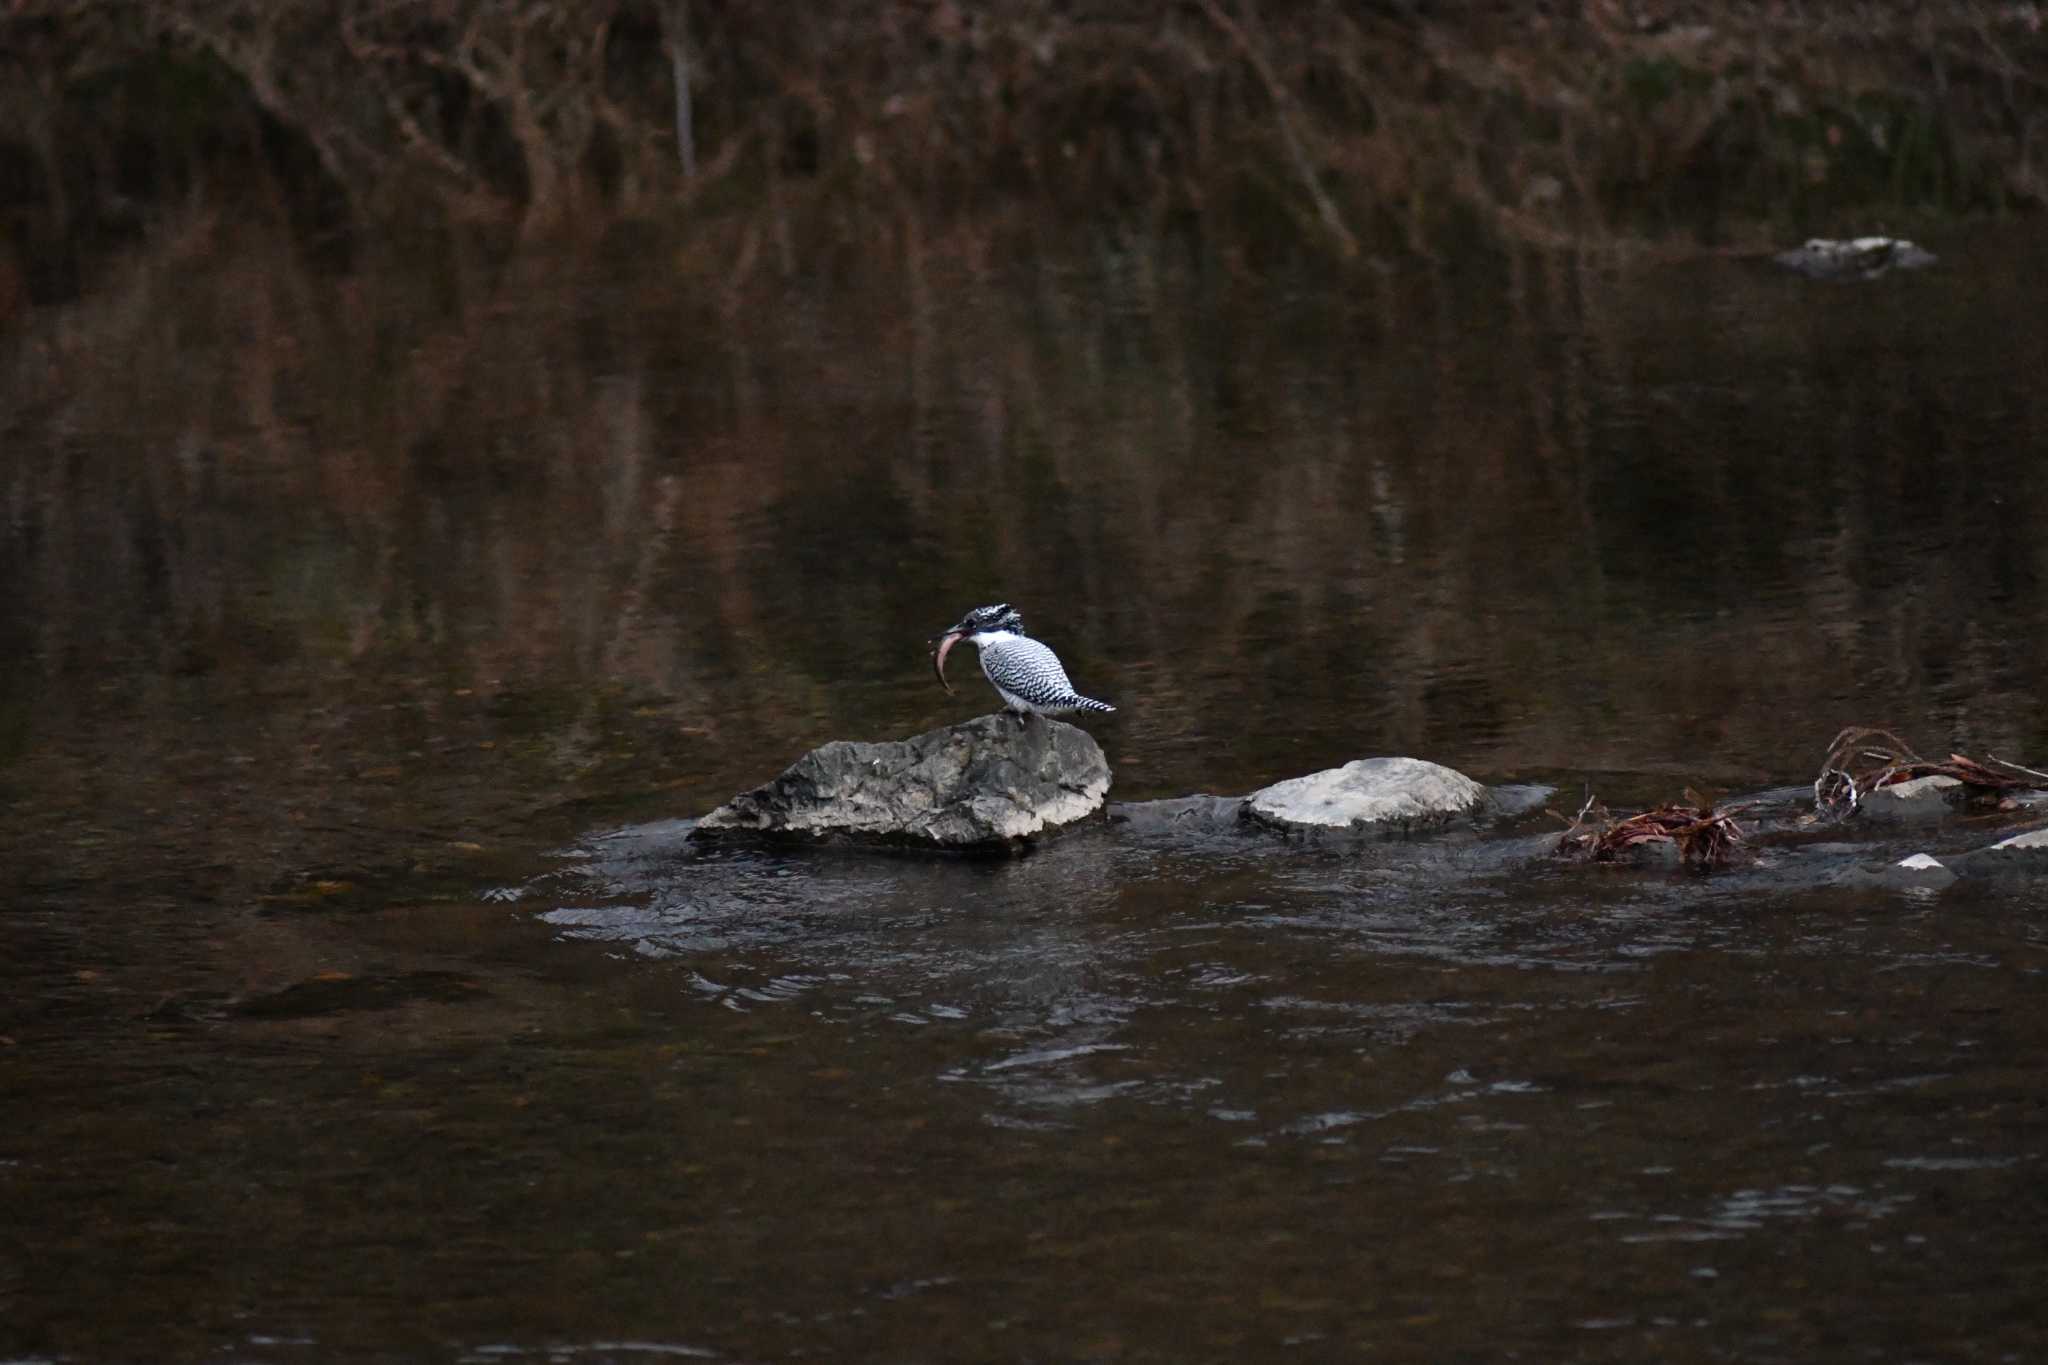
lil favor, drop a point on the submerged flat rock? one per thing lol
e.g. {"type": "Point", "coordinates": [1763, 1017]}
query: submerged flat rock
{"type": "Point", "coordinates": [1393, 794]}
{"type": "Point", "coordinates": [985, 783]}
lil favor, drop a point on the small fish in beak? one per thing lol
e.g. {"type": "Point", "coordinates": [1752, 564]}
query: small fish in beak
{"type": "Point", "coordinates": [944, 644]}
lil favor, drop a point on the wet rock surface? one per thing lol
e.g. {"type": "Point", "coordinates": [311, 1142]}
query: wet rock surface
{"type": "Point", "coordinates": [2023, 855]}
{"type": "Point", "coordinates": [1923, 871]}
{"type": "Point", "coordinates": [2034, 841]}
{"type": "Point", "coordinates": [1922, 798]}
{"type": "Point", "coordinates": [1857, 258]}
{"type": "Point", "coordinates": [1178, 815]}
{"type": "Point", "coordinates": [1393, 795]}
{"type": "Point", "coordinates": [985, 784]}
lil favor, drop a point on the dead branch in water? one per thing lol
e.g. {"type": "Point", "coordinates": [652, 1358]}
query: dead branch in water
{"type": "Point", "coordinates": [1706, 837]}
{"type": "Point", "coordinates": [1864, 758]}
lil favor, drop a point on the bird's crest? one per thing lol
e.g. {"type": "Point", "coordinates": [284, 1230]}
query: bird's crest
{"type": "Point", "coordinates": [996, 616]}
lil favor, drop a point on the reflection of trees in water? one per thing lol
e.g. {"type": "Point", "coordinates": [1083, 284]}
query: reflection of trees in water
{"type": "Point", "coordinates": [1543, 510]}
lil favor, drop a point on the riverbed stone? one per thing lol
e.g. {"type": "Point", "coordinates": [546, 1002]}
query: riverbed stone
{"type": "Point", "coordinates": [2033, 841]}
{"type": "Point", "coordinates": [1177, 815]}
{"type": "Point", "coordinates": [1920, 869]}
{"type": "Point", "coordinates": [1393, 795]}
{"type": "Point", "coordinates": [1916, 872]}
{"type": "Point", "coordinates": [1922, 798]}
{"type": "Point", "coordinates": [988, 783]}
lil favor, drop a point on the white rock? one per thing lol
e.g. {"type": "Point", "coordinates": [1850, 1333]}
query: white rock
{"type": "Point", "coordinates": [2033, 839]}
{"type": "Point", "coordinates": [1859, 258]}
{"type": "Point", "coordinates": [1367, 792]}
{"type": "Point", "coordinates": [1920, 862]}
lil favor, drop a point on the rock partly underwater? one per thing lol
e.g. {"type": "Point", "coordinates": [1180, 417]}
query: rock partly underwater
{"type": "Point", "coordinates": [985, 784]}
{"type": "Point", "coordinates": [1396, 795]}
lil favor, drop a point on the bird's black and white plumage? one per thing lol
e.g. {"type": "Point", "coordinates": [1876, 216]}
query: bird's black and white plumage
{"type": "Point", "coordinates": [1025, 672]}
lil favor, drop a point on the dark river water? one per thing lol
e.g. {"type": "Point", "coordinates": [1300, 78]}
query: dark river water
{"type": "Point", "coordinates": [372, 634]}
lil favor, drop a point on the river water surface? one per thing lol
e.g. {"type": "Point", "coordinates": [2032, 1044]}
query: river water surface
{"type": "Point", "coordinates": [372, 635]}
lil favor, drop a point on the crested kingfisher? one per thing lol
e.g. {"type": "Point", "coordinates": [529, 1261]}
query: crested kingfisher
{"type": "Point", "coordinates": [1025, 672]}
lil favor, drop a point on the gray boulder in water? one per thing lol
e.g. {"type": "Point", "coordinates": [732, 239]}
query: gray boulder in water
{"type": "Point", "coordinates": [984, 784]}
{"type": "Point", "coordinates": [1858, 258]}
{"type": "Point", "coordinates": [1920, 798]}
{"type": "Point", "coordinates": [1392, 795]}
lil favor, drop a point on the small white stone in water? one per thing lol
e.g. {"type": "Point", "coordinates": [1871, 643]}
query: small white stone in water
{"type": "Point", "coordinates": [1920, 862]}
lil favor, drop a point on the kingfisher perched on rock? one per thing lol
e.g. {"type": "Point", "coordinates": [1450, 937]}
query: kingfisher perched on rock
{"type": "Point", "coordinates": [1026, 672]}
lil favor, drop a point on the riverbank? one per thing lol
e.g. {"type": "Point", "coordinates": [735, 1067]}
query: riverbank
{"type": "Point", "coordinates": [1355, 136]}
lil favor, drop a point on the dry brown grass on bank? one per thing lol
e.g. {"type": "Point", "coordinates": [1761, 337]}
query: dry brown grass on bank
{"type": "Point", "coordinates": [1350, 128]}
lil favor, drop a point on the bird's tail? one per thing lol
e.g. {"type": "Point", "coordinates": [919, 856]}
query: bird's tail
{"type": "Point", "coordinates": [1090, 704]}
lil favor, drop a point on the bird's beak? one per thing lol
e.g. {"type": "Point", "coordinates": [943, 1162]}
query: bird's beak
{"type": "Point", "coordinates": [941, 644]}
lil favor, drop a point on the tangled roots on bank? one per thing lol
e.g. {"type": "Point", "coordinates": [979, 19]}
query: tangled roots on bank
{"type": "Point", "coordinates": [1705, 837]}
{"type": "Point", "coordinates": [1864, 758]}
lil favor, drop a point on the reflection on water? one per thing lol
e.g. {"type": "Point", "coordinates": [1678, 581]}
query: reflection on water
{"type": "Point", "coordinates": [343, 610]}
{"type": "Point", "coordinates": [1540, 513]}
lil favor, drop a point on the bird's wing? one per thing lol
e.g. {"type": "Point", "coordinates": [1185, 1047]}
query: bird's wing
{"type": "Point", "coordinates": [1026, 667]}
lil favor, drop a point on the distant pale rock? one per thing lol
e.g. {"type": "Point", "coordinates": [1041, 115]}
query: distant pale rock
{"type": "Point", "coordinates": [985, 783]}
{"type": "Point", "coordinates": [1858, 258]}
{"type": "Point", "coordinates": [2033, 841]}
{"type": "Point", "coordinates": [1920, 862]}
{"type": "Point", "coordinates": [1389, 794]}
